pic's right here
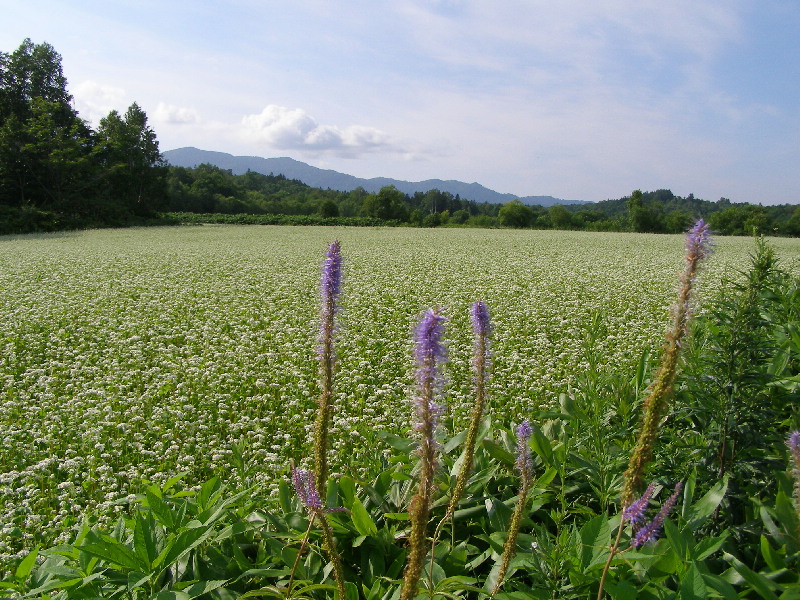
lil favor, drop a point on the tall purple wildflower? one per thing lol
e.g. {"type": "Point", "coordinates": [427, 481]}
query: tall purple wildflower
{"type": "Point", "coordinates": [649, 532]}
{"type": "Point", "coordinates": [429, 353]}
{"type": "Point", "coordinates": [330, 288]}
{"type": "Point", "coordinates": [481, 328]}
{"type": "Point", "coordinates": [524, 465]}
{"type": "Point", "coordinates": [698, 248]}
{"type": "Point", "coordinates": [524, 461]}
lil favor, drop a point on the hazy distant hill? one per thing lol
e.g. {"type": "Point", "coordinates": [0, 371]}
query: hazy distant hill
{"type": "Point", "coordinates": [326, 178]}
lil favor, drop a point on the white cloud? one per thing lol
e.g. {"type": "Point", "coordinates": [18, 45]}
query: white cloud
{"type": "Point", "coordinates": [169, 113]}
{"type": "Point", "coordinates": [94, 100]}
{"type": "Point", "coordinates": [293, 129]}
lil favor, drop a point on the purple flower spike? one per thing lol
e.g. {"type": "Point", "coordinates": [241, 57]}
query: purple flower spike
{"type": "Point", "coordinates": [430, 351]}
{"type": "Point", "coordinates": [480, 319]}
{"type": "Point", "coordinates": [794, 445]}
{"type": "Point", "coordinates": [524, 458]}
{"type": "Point", "coordinates": [635, 512]}
{"type": "Point", "coordinates": [332, 272]}
{"type": "Point", "coordinates": [303, 482]}
{"type": "Point", "coordinates": [649, 533]}
{"type": "Point", "coordinates": [698, 241]}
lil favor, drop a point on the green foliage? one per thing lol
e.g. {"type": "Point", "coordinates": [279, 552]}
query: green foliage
{"type": "Point", "coordinates": [51, 160]}
{"type": "Point", "coordinates": [515, 214]}
{"type": "Point", "coordinates": [736, 533]}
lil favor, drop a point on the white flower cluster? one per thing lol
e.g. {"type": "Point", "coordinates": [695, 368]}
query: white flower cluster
{"type": "Point", "coordinates": [128, 356]}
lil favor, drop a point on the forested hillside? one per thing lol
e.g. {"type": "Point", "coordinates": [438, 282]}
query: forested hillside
{"type": "Point", "coordinates": [57, 172]}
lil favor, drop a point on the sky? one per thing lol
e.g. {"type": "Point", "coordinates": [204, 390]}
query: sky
{"type": "Point", "coordinates": [581, 100]}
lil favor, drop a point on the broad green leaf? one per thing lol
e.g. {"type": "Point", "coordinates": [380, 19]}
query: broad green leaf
{"type": "Point", "coordinates": [595, 542]}
{"type": "Point", "coordinates": [26, 565]}
{"type": "Point", "coordinates": [285, 496]}
{"type": "Point", "coordinates": [678, 541]}
{"type": "Point", "coordinates": [772, 557]}
{"type": "Point", "coordinates": [622, 590]}
{"type": "Point", "coordinates": [722, 587]}
{"type": "Point", "coordinates": [173, 480]}
{"type": "Point", "coordinates": [499, 453]}
{"type": "Point", "coordinates": [199, 588]}
{"type": "Point", "coordinates": [182, 544]}
{"type": "Point", "coordinates": [705, 507]}
{"type": "Point", "coordinates": [760, 584]}
{"type": "Point", "coordinates": [114, 553]}
{"type": "Point", "coordinates": [148, 538]}
{"type": "Point", "coordinates": [159, 508]}
{"type": "Point", "coordinates": [541, 445]}
{"type": "Point", "coordinates": [707, 546]}
{"type": "Point", "coordinates": [361, 519]}
{"type": "Point", "coordinates": [693, 586]}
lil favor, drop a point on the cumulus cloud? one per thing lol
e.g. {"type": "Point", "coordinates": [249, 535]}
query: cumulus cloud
{"type": "Point", "coordinates": [94, 100]}
{"type": "Point", "coordinates": [294, 129]}
{"type": "Point", "coordinates": [169, 113]}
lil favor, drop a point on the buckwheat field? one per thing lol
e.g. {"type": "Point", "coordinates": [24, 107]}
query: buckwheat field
{"type": "Point", "coordinates": [131, 356]}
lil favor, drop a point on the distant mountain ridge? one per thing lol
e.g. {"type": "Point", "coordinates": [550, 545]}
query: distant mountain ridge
{"type": "Point", "coordinates": [327, 178]}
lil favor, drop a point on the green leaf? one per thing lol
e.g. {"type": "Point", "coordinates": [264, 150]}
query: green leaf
{"type": "Point", "coordinates": [707, 546]}
{"type": "Point", "coordinates": [26, 564]}
{"type": "Point", "coordinates": [679, 543]}
{"type": "Point", "coordinates": [351, 590]}
{"type": "Point", "coordinates": [173, 480]}
{"type": "Point", "coordinates": [499, 514]}
{"type": "Point", "coordinates": [622, 591]}
{"type": "Point", "coordinates": [499, 453]}
{"type": "Point", "coordinates": [541, 445]}
{"type": "Point", "coordinates": [595, 542]}
{"type": "Point", "coordinates": [722, 587]}
{"type": "Point", "coordinates": [285, 496]}
{"type": "Point", "coordinates": [114, 553]}
{"type": "Point", "coordinates": [148, 538]}
{"type": "Point", "coordinates": [182, 544]}
{"type": "Point", "coordinates": [361, 519]}
{"type": "Point", "coordinates": [203, 587]}
{"type": "Point", "coordinates": [159, 508]}
{"type": "Point", "coordinates": [693, 586]}
{"type": "Point", "coordinates": [773, 558]}
{"type": "Point", "coordinates": [762, 586]}
{"type": "Point", "coordinates": [705, 507]}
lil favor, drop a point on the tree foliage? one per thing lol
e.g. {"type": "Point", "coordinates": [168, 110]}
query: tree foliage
{"type": "Point", "coordinates": [53, 163]}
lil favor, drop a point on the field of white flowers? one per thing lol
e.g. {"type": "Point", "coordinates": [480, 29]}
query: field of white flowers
{"type": "Point", "coordinates": [133, 355]}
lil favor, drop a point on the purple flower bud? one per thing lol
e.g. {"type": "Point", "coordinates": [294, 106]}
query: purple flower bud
{"type": "Point", "coordinates": [649, 533]}
{"type": "Point", "coordinates": [698, 241]}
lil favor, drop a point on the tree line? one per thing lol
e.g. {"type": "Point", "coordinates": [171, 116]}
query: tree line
{"type": "Point", "coordinates": [57, 172]}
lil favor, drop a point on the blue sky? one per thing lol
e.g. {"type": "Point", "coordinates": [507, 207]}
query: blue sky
{"type": "Point", "coordinates": [579, 100]}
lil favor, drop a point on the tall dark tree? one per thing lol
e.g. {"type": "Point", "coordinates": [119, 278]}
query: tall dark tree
{"type": "Point", "coordinates": [31, 71]}
{"type": "Point", "coordinates": [44, 145]}
{"type": "Point", "coordinates": [135, 170]}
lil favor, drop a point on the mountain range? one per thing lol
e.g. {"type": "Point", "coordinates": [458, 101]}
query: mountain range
{"type": "Point", "coordinates": [329, 179]}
